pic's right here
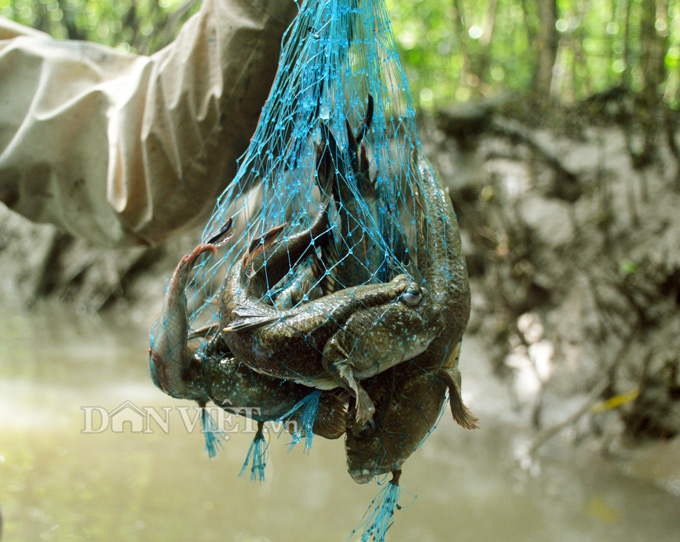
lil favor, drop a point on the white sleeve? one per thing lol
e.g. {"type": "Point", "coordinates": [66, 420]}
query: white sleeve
{"type": "Point", "coordinates": [125, 149]}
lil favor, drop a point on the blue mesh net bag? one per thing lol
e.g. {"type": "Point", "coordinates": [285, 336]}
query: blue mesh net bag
{"type": "Point", "coordinates": [329, 289]}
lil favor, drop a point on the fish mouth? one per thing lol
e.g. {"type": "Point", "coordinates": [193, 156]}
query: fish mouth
{"type": "Point", "coordinates": [361, 476]}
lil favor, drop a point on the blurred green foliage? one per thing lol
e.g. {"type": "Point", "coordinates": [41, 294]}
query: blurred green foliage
{"type": "Point", "coordinates": [135, 26]}
{"type": "Point", "coordinates": [452, 50]}
{"type": "Point", "coordinates": [461, 49]}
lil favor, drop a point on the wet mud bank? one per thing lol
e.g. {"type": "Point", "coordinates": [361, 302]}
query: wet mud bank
{"type": "Point", "coordinates": [573, 249]}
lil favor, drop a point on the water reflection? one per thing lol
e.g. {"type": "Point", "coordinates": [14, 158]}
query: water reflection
{"type": "Point", "coordinates": [57, 483]}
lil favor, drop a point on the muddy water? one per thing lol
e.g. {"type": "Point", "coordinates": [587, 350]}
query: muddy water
{"type": "Point", "coordinates": [59, 482]}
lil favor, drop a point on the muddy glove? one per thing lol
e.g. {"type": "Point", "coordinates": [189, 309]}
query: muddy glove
{"type": "Point", "coordinates": [129, 150]}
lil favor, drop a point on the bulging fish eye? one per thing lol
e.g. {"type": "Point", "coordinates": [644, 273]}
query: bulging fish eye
{"type": "Point", "coordinates": [412, 295]}
{"type": "Point", "coordinates": [367, 431]}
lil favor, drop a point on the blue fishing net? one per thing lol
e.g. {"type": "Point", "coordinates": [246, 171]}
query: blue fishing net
{"type": "Point", "coordinates": [337, 55]}
{"type": "Point", "coordinates": [340, 267]}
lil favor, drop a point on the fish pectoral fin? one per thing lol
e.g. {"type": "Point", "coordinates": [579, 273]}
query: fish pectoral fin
{"type": "Point", "coordinates": [248, 323]}
{"type": "Point", "coordinates": [204, 331]}
{"type": "Point", "coordinates": [336, 362]}
{"type": "Point", "coordinates": [247, 311]}
{"type": "Point", "coordinates": [461, 413]}
{"type": "Point", "coordinates": [250, 318]}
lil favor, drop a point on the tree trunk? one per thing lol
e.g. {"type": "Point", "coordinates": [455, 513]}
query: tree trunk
{"type": "Point", "coordinates": [653, 48]}
{"type": "Point", "coordinates": [41, 17]}
{"type": "Point", "coordinates": [626, 75]}
{"type": "Point", "coordinates": [69, 19]}
{"type": "Point", "coordinates": [460, 31]}
{"type": "Point", "coordinates": [485, 41]}
{"type": "Point", "coordinates": [651, 54]}
{"type": "Point", "coordinates": [546, 42]}
{"type": "Point", "coordinates": [531, 34]}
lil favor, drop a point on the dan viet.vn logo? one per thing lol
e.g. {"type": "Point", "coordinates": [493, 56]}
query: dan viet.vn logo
{"type": "Point", "coordinates": [130, 418]}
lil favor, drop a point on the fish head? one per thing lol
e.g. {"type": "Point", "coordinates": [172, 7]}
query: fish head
{"type": "Point", "coordinates": [408, 402]}
{"type": "Point", "coordinates": [418, 297]}
{"type": "Point", "coordinates": [389, 333]}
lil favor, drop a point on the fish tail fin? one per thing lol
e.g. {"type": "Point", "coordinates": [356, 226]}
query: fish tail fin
{"type": "Point", "coordinates": [461, 413]}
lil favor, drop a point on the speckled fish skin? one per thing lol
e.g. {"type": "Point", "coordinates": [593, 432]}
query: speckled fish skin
{"type": "Point", "coordinates": [329, 342]}
{"type": "Point", "coordinates": [218, 376]}
{"type": "Point", "coordinates": [441, 262]}
{"type": "Point", "coordinates": [309, 280]}
{"type": "Point", "coordinates": [408, 402]}
{"type": "Point", "coordinates": [181, 370]}
{"type": "Point", "coordinates": [169, 355]}
{"type": "Point", "coordinates": [409, 398]}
